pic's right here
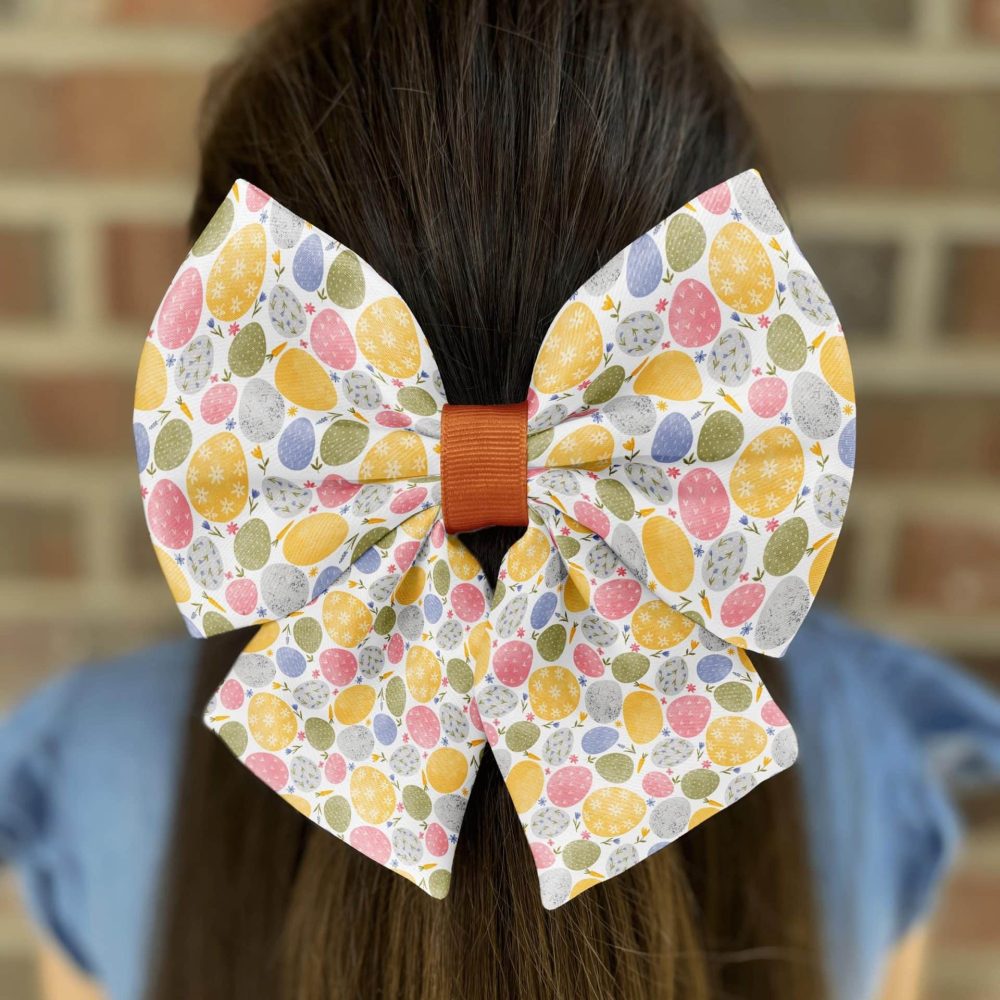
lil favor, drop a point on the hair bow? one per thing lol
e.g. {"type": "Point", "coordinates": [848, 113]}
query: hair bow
{"type": "Point", "coordinates": [682, 466]}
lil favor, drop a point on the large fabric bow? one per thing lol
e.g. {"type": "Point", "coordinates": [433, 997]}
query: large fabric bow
{"type": "Point", "coordinates": [690, 449]}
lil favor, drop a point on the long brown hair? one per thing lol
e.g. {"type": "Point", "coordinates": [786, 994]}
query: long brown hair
{"type": "Point", "coordinates": [486, 157]}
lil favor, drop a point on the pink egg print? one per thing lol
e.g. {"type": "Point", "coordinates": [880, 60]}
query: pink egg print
{"type": "Point", "coordinates": [403, 503]}
{"type": "Point", "coordinates": [437, 534]}
{"type": "Point", "coordinates": [181, 310]}
{"type": "Point", "coordinates": [694, 316]}
{"type": "Point", "coordinates": [588, 661]}
{"type": "Point", "coordinates": [532, 403]}
{"type": "Point", "coordinates": [218, 402]}
{"type": "Point", "coordinates": [773, 715]}
{"type": "Point", "coordinates": [371, 842]}
{"type": "Point", "coordinates": [404, 554]}
{"type": "Point", "coordinates": [617, 598]}
{"type": "Point", "coordinates": [716, 199]}
{"type": "Point", "coordinates": [339, 666]}
{"type": "Point", "coordinates": [490, 731]}
{"type": "Point", "coordinates": [231, 694]}
{"type": "Point", "coordinates": [256, 199]}
{"type": "Point", "coordinates": [423, 726]}
{"type": "Point", "coordinates": [242, 596]}
{"type": "Point", "coordinates": [741, 604]}
{"type": "Point", "coordinates": [335, 490]}
{"type": "Point", "coordinates": [169, 515]}
{"type": "Point", "coordinates": [512, 662]}
{"type": "Point", "coordinates": [658, 784]}
{"type": "Point", "coordinates": [395, 648]}
{"type": "Point", "coordinates": [392, 418]}
{"type": "Point", "coordinates": [330, 337]}
{"type": "Point", "coordinates": [436, 840]}
{"type": "Point", "coordinates": [767, 396]}
{"type": "Point", "coordinates": [704, 503]}
{"type": "Point", "coordinates": [590, 517]}
{"type": "Point", "coordinates": [269, 768]}
{"type": "Point", "coordinates": [474, 717]}
{"type": "Point", "coordinates": [688, 715]}
{"type": "Point", "coordinates": [544, 856]}
{"type": "Point", "coordinates": [468, 602]}
{"type": "Point", "coordinates": [335, 769]}
{"type": "Point", "coordinates": [569, 785]}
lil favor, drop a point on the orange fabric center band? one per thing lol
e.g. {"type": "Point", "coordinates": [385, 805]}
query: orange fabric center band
{"type": "Point", "coordinates": [484, 466]}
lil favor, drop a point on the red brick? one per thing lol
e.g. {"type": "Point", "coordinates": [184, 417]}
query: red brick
{"type": "Point", "coordinates": [232, 14]}
{"type": "Point", "coordinates": [949, 565]}
{"type": "Point", "coordinates": [25, 277]}
{"type": "Point", "coordinates": [67, 414]}
{"type": "Point", "coordinates": [972, 304]}
{"type": "Point", "coordinates": [140, 261]}
{"type": "Point", "coordinates": [40, 540]}
{"type": "Point", "coordinates": [984, 19]}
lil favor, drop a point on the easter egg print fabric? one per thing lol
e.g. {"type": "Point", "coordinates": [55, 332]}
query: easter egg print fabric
{"type": "Point", "coordinates": [691, 441]}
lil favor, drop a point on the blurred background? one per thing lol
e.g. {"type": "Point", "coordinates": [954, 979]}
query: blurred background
{"type": "Point", "coordinates": [883, 118]}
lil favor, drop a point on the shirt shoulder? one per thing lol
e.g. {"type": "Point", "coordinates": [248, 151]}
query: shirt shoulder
{"type": "Point", "coordinates": [87, 773]}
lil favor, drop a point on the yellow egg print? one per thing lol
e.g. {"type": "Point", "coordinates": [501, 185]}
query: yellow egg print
{"type": "Point", "coordinates": [479, 647]}
{"type": "Point", "coordinates": [553, 692]}
{"type": "Point", "coordinates": [835, 364]}
{"type": "Point", "coordinates": [733, 740]}
{"type": "Point", "coordinates": [314, 538]}
{"type": "Point", "coordinates": [271, 722]}
{"type": "Point", "coordinates": [398, 455]}
{"type": "Point", "coordinates": [300, 378]}
{"type": "Point", "coordinates": [217, 481]}
{"type": "Point", "coordinates": [524, 783]}
{"type": "Point", "coordinates": [769, 473]}
{"type": "Point", "coordinates": [346, 620]}
{"type": "Point", "coordinates": [447, 768]}
{"type": "Point", "coordinates": [423, 673]}
{"type": "Point", "coordinates": [700, 815]}
{"type": "Point", "coordinates": [461, 561]}
{"type": "Point", "coordinates": [263, 638]}
{"type": "Point", "coordinates": [151, 379]}
{"type": "Point", "coordinates": [583, 885]}
{"type": "Point", "coordinates": [176, 580]}
{"type": "Point", "coordinates": [299, 804]}
{"type": "Point", "coordinates": [820, 564]}
{"type": "Point", "coordinates": [387, 337]}
{"type": "Point", "coordinates": [657, 626]}
{"type": "Point", "coordinates": [576, 592]}
{"type": "Point", "coordinates": [571, 351]}
{"type": "Point", "coordinates": [669, 552]}
{"type": "Point", "coordinates": [353, 704]}
{"type": "Point", "coordinates": [237, 274]}
{"type": "Point", "coordinates": [527, 555]}
{"type": "Point", "coordinates": [589, 447]}
{"type": "Point", "coordinates": [372, 795]}
{"type": "Point", "coordinates": [643, 716]}
{"type": "Point", "coordinates": [669, 375]}
{"type": "Point", "coordinates": [611, 812]}
{"type": "Point", "coordinates": [418, 525]}
{"type": "Point", "coordinates": [740, 271]}
{"type": "Point", "coordinates": [410, 588]}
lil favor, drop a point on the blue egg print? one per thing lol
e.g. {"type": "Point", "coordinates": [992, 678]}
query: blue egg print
{"type": "Point", "coordinates": [542, 611]}
{"type": "Point", "coordinates": [600, 739]}
{"type": "Point", "coordinates": [326, 580]}
{"type": "Point", "coordinates": [432, 608]}
{"type": "Point", "coordinates": [192, 628]}
{"type": "Point", "coordinates": [711, 669]}
{"type": "Point", "coordinates": [658, 846]}
{"type": "Point", "coordinates": [290, 661]}
{"type": "Point", "coordinates": [673, 438]}
{"type": "Point", "coordinates": [307, 268]}
{"type": "Point", "coordinates": [847, 443]}
{"type": "Point", "coordinates": [297, 444]}
{"type": "Point", "coordinates": [369, 560]}
{"type": "Point", "coordinates": [384, 728]}
{"type": "Point", "coordinates": [644, 269]}
{"type": "Point", "coordinates": [141, 445]}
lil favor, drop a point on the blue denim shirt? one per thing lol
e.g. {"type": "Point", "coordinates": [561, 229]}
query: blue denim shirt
{"type": "Point", "coordinates": [887, 733]}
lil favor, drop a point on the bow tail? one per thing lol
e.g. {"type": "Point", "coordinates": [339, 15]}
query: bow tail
{"type": "Point", "coordinates": [629, 724]}
{"type": "Point", "coordinates": [358, 711]}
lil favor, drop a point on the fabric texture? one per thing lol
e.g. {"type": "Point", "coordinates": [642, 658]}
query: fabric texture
{"type": "Point", "coordinates": [888, 735]}
{"type": "Point", "coordinates": [690, 452]}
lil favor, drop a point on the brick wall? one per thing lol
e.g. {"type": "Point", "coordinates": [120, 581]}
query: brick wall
{"type": "Point", "coordinates": [895, 197]}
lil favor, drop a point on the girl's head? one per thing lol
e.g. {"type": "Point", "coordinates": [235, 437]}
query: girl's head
{"type": "Point", "coordinates": [485, 158]}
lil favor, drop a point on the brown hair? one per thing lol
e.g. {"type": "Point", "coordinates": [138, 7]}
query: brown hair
{"type": "Point", "coordinates": [486, 158]}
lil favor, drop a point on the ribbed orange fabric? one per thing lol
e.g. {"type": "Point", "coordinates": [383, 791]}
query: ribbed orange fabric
{"type": "Point", "coordinates": [484, 466]}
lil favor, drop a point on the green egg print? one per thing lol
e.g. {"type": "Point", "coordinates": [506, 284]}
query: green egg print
{"type": "Point", "coordinates": [216, 231]}
{"type": "Point", "coordinates": [308, 634]}
{"type": "Point", "coordinates": [342, 442]}
{"type": "Point", "coordinates": [734, 696]}
{"type": "Point", "coordinates": [699, 784]}
{"type": "Point", "coordinates": [247, 351]}
{"type": "Point", "coordinates": [786, 343]}
{"type": "Point", "coordinates": [337, 812]}
{"type": "Point", "coordinates": [234, 735]}
{"type": "Point", "coordinates": [685, 242]}
{"type": "Point", "coordinates": [615, 767]}
{"type": "Point", "coordinates": [459, 675]}
{"type": "Point", "coordinates": [395, 695]}
{"type": "Point", "coordinates": [551, 642]}
{"type": "Point", "coordinates": [605, 386]}
{"type": "Point", "coordinates": [439, 883]}
{"type": "Point", "coordinates": [173, 444]}
{"type": "Point", "coordinates": [581, 854]}
{"type": "Point", "coordinates": [417, 400]}
{"type": "Point", "coordinates": [319, 733]}
{"type": "Point", "coordinates": [417, 802]}
{"type": "Point", "coordinates": [345, 282]}
{"type": "Point", "coordinates": [216, 624]}
{"type": "Point", "coordinates": [720, 437]}
{"type": "Point", "coordinates": [786, 547]}
{"type": "Point", "coordinates": [629, 667]}
{"type": "Point", "coordinates": [616, 498]}
{"type": "Point", "coordinates": [252, 546]}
